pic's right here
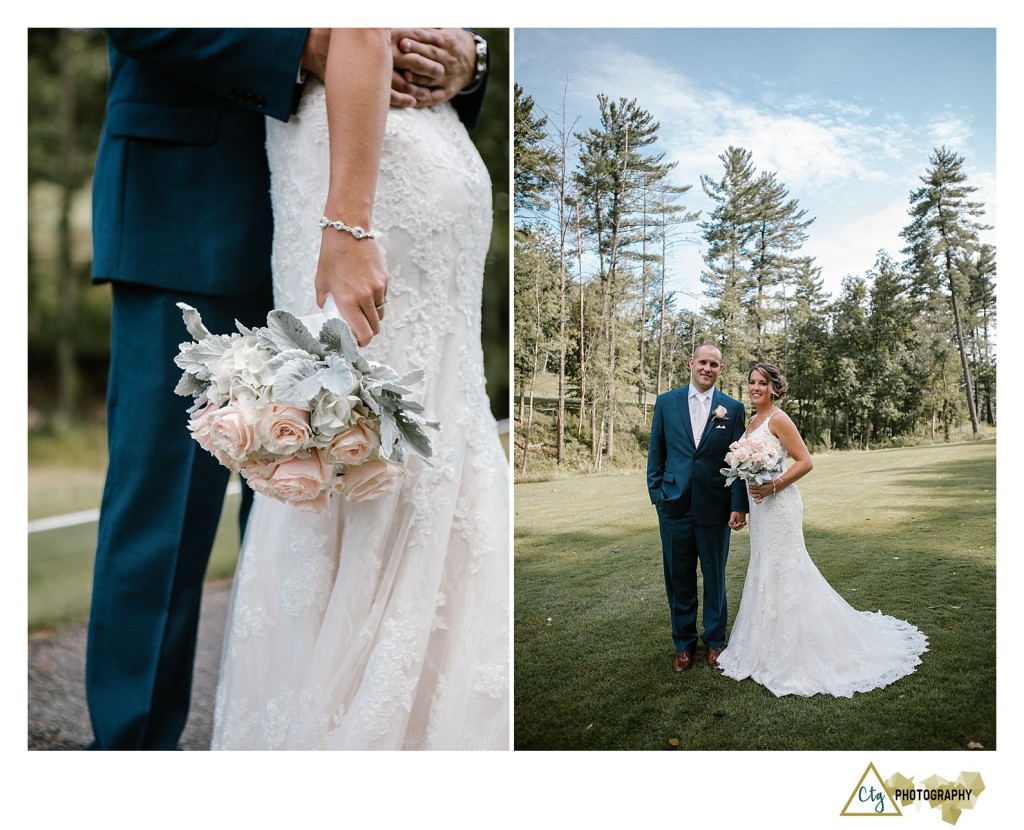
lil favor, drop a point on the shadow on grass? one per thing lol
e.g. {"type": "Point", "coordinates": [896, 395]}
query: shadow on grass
{"type": "Point", "coordinates": [593, 650]}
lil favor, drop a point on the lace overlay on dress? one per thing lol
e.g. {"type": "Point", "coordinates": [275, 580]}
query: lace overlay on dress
{"type": "Point", "coordinates": [793, 633]}
{"type": "Point", "coordinates": [386, 624]}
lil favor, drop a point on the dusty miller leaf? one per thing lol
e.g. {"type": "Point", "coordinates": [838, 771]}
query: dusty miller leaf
{"type": "Point", "coordinates": [280, 359]}
{"type": "Point", "coordinates": [414, 435]}
{"type": "Point", "coordinates": [284, 331]}
{"type": "Point", "coordinates": [193, 321]}
{"type": "Point", "coordinates": [337, 337]}
{"type": "Point", "coordinates": [190, 384]}
{"type": "Point", "coordinates": [337, 376]}
{"type": "Point", "coordinates": [296, 382]}
{"type": "Point", "coordinates": [389, 434]}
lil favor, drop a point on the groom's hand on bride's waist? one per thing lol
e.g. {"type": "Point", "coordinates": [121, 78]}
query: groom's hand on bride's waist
{"type": "Point", "coordinates": [430, 66]}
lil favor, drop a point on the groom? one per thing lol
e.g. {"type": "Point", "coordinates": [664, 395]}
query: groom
{"type": "Point", "coordinates": [181, 212]}
{"type": "Point", "coordinates": [691, 431]}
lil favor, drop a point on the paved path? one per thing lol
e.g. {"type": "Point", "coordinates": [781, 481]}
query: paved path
{"type": "Point", "coordinates": [57, 715]}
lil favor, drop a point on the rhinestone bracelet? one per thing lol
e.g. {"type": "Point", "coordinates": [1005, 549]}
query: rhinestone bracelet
{"type": "Point", "coordinates": [338, 225]}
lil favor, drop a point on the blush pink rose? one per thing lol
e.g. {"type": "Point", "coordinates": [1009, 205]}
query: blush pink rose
{"type": "Point", "coordinates": [218, 433]}
{"type": "Point", "coordinates": [258, 474]}
{"type": "Point", "coordinates": [303, 482]}
{"type": "Point", "coordinates": [371, 479]}
{"type": "Point", "coordinates": [199, 426]}
{"type": "Point", "coordinates": [232, 432]}
{"type": "Point", "coordinates": [285, 429]}
{"type": "Point", "coordinates": [354, 445]}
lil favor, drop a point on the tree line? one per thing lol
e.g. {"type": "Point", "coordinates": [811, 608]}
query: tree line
{"type": "Point", "coordinates": [905, 352]}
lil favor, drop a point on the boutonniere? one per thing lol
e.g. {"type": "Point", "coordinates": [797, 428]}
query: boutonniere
{"type": "Point", "coordinates": [720, 412]}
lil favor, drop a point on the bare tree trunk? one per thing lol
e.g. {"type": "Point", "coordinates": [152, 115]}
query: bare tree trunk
{"type": "Point", "coordinates": [641, 376]}
{"type": "Point", "coordinates": [67, 367]}
{"type": "Point", "coordinates": [563, 229]}
{"type": "Point", "coordinates": [968, 385]}
{"type": "Point", "coordinates": [961, 345]}
{"type": "Point", "coordinates": [661, 321]}
{"type": "Point", "coordinates": [528, 431]}
{"type": "Point", "coordinates": [583, 354]}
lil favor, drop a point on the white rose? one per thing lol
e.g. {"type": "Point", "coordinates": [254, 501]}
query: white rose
{"type": "Point", "coordinates": [330, 413]}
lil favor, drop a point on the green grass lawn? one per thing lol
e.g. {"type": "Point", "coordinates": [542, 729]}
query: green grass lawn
{"type": "Point", "coordinates": [60, 561]}
{"type": "Point", "coordinates": [909, 531]}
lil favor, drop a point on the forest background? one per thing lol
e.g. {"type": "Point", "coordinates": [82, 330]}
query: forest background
{"type": "Point", "coordinates": [902, 352]}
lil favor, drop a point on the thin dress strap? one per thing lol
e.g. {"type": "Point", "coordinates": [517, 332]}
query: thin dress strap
{"type": "Point", "coordinates": [764, 424]}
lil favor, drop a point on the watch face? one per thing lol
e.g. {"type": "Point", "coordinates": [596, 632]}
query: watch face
{"type": "Point", "coordinates": [481, 56]}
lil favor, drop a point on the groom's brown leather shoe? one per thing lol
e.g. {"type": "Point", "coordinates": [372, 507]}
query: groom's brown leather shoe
{"type": "Point", "coordinates": [683, 661]}
{"type": "Point", "coordinates": [713, 657]}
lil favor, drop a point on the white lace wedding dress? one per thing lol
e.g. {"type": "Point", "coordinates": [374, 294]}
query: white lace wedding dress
{"type": "Point", "coordinates": [793, 633]}
{"type": "Point", "coordinates": [386, 624]}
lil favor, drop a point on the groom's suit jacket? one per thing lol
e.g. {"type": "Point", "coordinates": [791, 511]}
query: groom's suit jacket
{"type": "Point", "coordinates": [181, 189]}
{"type": "Point", "coordinates": [683, 477]}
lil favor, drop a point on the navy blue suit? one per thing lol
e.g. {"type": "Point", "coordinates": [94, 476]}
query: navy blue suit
{"type": "Point", "coordinates": [181, 212]}
{"type": "Point", "coordinates": [693, 509]}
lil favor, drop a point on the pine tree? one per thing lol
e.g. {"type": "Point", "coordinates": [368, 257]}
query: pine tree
{"type": "Point", "coordinates": [889, 378]}
{"type": "Point", "coordinates": [534, 162]}
{"type": "Point", "coordinates": [805, 354]}
{"type": "Point", "coordinates": [942, 241]}
{"type": "Point", "coordinates": [535, 281]}
{"type": "Point", "coordinates": [729, 233]}
{"type": "Point", "coordinates": [847, 396]}
{"type": "Point", "coordinates": [781, 231]}
{"type": "Point", "coordinates": [983, 307]}
{"type": "Point", "coordinates": [613, 171]}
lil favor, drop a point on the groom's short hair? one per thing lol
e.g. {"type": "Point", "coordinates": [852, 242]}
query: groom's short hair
{"type": "Point", "coordinates": [702, 345]}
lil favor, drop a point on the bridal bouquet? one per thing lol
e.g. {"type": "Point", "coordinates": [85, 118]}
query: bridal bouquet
{"type": "Point", "coordinates": [753, 460]}
{"type": "Point", "coordinates": [300, 417]}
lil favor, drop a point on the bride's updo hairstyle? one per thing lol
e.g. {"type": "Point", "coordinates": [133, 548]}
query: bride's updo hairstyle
{"type": "Point", "coordinates": [775, 378]}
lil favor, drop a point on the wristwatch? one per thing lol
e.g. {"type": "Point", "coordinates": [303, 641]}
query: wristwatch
{"type": "Point", "coordinates": [480, 70]}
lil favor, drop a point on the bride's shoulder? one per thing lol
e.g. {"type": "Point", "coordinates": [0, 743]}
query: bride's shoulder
{"type": "Point", "coordinates": [779, 421]}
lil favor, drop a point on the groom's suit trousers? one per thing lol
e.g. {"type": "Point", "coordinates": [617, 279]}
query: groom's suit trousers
{"type": "Point", "coordinates": [684, 543]}
{"type": "Point", "coordinates": [161, 507]}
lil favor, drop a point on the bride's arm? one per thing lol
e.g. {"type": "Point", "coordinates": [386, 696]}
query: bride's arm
{"type": "Point", "coordinates": [358, 80]}
{"type": "Point", "coordinates": [783, 428]}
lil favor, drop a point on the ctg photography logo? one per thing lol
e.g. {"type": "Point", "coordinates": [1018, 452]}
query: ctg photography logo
{"type": "Point", "coordinates": [870, 797]}
{"type": "Point", "coordinates": [874, 797]}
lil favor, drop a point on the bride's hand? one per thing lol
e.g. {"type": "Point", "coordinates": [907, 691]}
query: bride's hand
{"type": "Point", "coordinates": [758, 492]}
{"type": "Point", "coordinates": [352, 271]}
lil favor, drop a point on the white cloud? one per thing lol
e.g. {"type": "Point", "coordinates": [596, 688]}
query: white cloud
{"type": "Point", "coordinates": [950, 131]}
{"type": "Point", "coordinates": [813, 144]}
{"type": "Point", "coordinates": [851, 166]}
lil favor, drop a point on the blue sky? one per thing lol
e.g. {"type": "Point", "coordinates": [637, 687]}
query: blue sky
{"type": "Point", "coordinates": [847, 117]}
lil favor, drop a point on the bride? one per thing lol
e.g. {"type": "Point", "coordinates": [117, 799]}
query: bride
{"type": "Point", "coordinates": [793, 633]}
{"type": "Point", "coordinates": [385, 624]}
